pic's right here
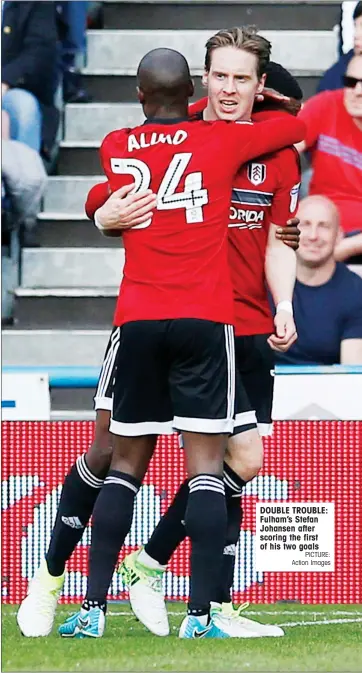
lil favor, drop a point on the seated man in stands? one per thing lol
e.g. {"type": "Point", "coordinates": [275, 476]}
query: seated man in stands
{"type": "Point", "coordinates": [327, 298]}
{"type": "Point", "coordinates": [23, 184]}
{"type": "Point", "coordinates": [334, 140]}
{"type": "Point", "coordinates": [29, 75]}
{"type": "Point", "coordinates": [333, 77]}
{"type": "Point", "coordinates": [25, 180]}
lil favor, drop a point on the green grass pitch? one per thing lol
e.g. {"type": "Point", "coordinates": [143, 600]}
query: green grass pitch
{"type": "Point", "coordinates": [318, 638]}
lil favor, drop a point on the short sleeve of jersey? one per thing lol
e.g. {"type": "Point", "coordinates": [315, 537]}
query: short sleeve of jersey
{"type": "Point", "coordinates": [352, 328]}
{"type": "Point", "coordinates": [312, 113]}
{"type": "Point", "coordinates": [113, 145]}
{"type": "Point", "coordinates": [286, 196]}
{"type": "Point", "coordinates": [104, 152]}
{"type": "Point", "coordinates": [97, 196]}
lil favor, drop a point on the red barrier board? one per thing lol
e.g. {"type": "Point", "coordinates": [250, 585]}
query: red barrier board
{"type": "Point", "coordinates": [305, 461]}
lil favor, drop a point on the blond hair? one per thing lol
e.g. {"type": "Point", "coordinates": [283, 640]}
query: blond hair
{"type": "Point", "coordinates": [245, 38]}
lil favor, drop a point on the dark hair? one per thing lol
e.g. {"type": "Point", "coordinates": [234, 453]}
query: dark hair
{"type": "Point", "coordinates": [357, 10]}
{"type": "Point", "coordinates": [245, 38]}
{"type": "Point", "coordinates": [281, 80]}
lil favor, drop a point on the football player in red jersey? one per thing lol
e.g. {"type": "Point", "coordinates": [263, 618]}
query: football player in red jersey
{"type": "Point", "coordinates": [149, 303]}
{"type": "Point", "coordinates": [264, 197]}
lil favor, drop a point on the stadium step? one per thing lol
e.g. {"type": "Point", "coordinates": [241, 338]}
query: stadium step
{"type": "Point", "coordinates": [65, 194]}
{"type": "Point", "coordinates": [153, 15]}
{"type": "Point", "coordinates": [50, 348]}
{"type": "Point", "coordinates": [295, 49]}
{"type": "Point", "coordinates": [71, 267]}
{"type": "Point", "coordinates": [94, 121]}
{"type": "Point", "coordinates": [65, 230]}
{"type": "Point", "coordinates": [72, 281]}
{"type": "Point", "coordinates": [65, 308]}
{"type": "Point", "coordinates": [79, 158]}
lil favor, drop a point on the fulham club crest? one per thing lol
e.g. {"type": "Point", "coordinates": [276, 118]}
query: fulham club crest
{"type": "Point", "coordinates": [256, 173]}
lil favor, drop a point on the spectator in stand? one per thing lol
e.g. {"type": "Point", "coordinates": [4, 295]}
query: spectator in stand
{"type": "Point", "coordinates": [23, 183]}
{"type": "Point", "coordinates": [333, 77]}
{"type": "Point", "coordinates": [327, 297]}
{"type": "Point", "coordinates": [334, 139]}
{"type": "Point", "coordinates": [72, 26]}
{"type": "Point", "coordinates": [25, 179]}
{"type": "Point", "coordinates": [29, 76]}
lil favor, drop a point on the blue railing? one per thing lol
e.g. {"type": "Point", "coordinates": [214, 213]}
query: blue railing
{"type": "Point", "coordinates": [87, 377]}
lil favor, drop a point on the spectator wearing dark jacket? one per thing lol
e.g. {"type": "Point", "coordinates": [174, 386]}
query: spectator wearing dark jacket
{"type": "Point", "coordinates": [29, 72]}
{"type": "Point", "coordinates": [333, 77]}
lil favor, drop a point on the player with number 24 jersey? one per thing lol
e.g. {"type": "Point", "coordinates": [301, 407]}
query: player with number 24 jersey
{"type": "Point", "coordinates": [176, 264]}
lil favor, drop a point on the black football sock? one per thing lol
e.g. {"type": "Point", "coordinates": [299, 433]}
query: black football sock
{"type": "Point", "coordinates": [112, 520]}
{"type": "Point", "coordinates": [80, 491]}
{"type": "Point", "coordinates": [206, 525]}
{"type": "Point", "coordinates": [233, 490]}
{"type": "Point", "coordinates": [234, 521]}
{"type": "Point", "coordinates": [233, 483]}
{"type": "Point", "coordinates": [170, 530]}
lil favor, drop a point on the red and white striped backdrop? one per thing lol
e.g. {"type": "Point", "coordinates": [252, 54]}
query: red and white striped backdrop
{"type": "Point", "coordinates": [305, 461]}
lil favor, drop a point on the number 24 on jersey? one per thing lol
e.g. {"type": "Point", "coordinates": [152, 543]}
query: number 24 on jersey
{"type": "Point", "coordinates": [192, 199]}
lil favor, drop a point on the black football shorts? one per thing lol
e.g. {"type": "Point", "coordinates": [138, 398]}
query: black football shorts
{"type": "Point", "coordinates": [255, 362]}
{"type": "Point", "coordinates": [174, 375]}
{"type": "Point", "coordinates": [103, 397]}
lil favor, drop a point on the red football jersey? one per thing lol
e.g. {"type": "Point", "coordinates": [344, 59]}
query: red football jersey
{"type": "Point", "coordinates": [335, 143]}
{"type": "Point", "coordinates": [176, 264]}
{"type": "Point", "coordinates": [264, 191]}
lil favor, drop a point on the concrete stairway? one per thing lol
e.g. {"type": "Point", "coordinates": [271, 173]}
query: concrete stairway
{"type": "Point", "coordinates": [66, 300]}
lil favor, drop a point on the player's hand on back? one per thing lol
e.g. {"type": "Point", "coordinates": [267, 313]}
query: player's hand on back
{"type": "Point", "coordinates": [272, 99]}
{"type": "Point", "coordinates": [285, 332]}
{"type": "Point", "coordinates": [123, 210]}
{"type": "Point", "coordinates": [290, 234]}
{"type": "Point", "coordinates": [269, 94]}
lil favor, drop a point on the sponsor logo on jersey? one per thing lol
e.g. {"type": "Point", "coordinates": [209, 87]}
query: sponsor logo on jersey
{"type": "Point", "coordinates": [256, 173]}
{"type": "Point", "coordinates": [253, 218]}
{"type": "Point", "coordinates": [294, 194]}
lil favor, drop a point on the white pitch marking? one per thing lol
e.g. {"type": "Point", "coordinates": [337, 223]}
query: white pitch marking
{"type": "Point", "coordinates": [302, 612]}
{"type": "Point", "coordinates": [262, 613]}
{"type": "Point", "coordinates": [322, 621]}
{"type": "Point", "coordinates": [113, 613]}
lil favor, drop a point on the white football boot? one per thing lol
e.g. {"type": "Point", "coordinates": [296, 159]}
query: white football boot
{"type": "Point", "coordinates": [37, 611]}
{"type": "Point", "coordinates": [255, 629]}
{"type": "Point", "coordinates": [145, 594]}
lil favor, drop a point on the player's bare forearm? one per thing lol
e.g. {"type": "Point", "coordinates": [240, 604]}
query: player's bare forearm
{"type": "Point", "coordinates": [280, 271]}
{"type": "Point", "coordinates": [121, 210]}
{"type": "Point", "coordinates": [348, 247]}
{"type": "Point", "coordinates": [280, 268]}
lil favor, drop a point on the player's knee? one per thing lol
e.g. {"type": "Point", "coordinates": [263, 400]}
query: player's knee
{"type": "Point", "coordinates": [99, 455]}
{"type": "Point", "coordinates": [245, 454]}
{"type": "Point", "coordinates": [102, 434]}
{"type": "Point", "coordinates": [132, 455]}
{"type": "Point", "coordinates": [204, 453]}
